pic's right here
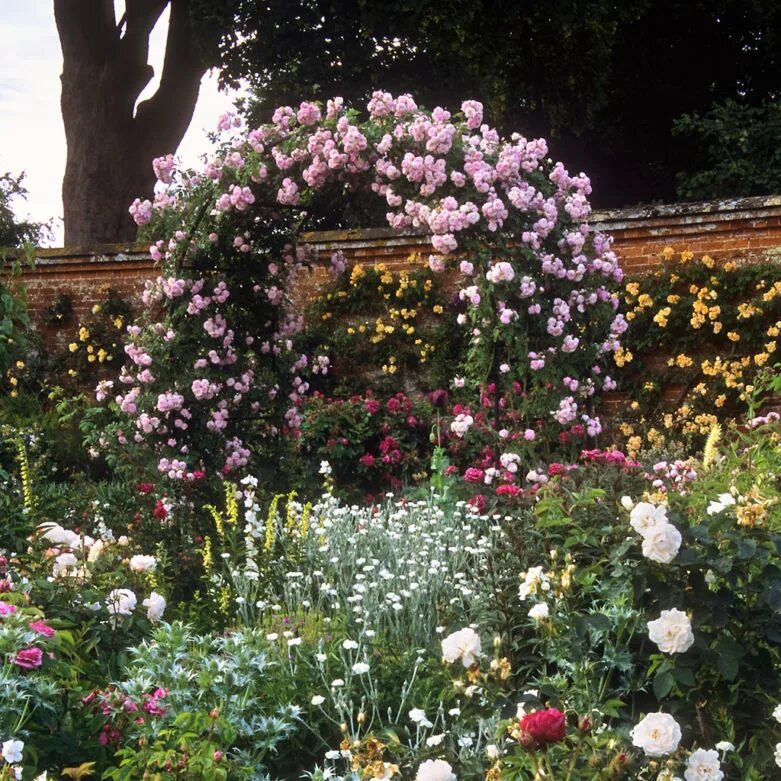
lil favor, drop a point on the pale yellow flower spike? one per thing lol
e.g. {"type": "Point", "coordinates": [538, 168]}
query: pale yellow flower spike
{"type": "Point", "coordinates": [231, 504]}
{"type": "Point", "coordinates": [290, 514]}
{"type": "Point", "coordinates": [271, 520]}
{"type": "Point", "coordinates": [711, 450]}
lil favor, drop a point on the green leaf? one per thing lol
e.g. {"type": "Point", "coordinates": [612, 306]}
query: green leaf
{"type": "Point", "coordinates": [663, 684]}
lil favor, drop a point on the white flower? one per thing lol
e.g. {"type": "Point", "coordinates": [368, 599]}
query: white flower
{"type": "Point", "coordinates": [725, 745]}
{"type": "Point", "coordinates": [435, 770]}
{"type": "Point", "coordinates": [140, 563]}
{"type": "Point", "coordinates": [535, 579]}
{"type": "Point", "coordinates": [417, 715]}
{"type": "Point", "coordinates": [645, 515]}
{"type": "Point", "coordinates": [318, 699]}
{"type": "Point", "coordinates": [777, 713]}
{"type": "Point", "coordinates": [121, 602]}
{"type": "Point", "coordinates": [539, 612]}
{"type": "Point", "coordinates": [657, 734]}
{"type": "Point", "coordinates": [463, 645]}
{"type": "Point", "coordinates": [492, 751]}
{"type": "Point", "coordinates": [360, 668]}
{"type": "Point", "coordinates": [155, 604]}
{"type": "Point", "coordinates": [435, 740]}
{"type": "Point", "coordinates": [703, 765]}
{"type": "Point", "coordinates": [627, 503]}
{"type": "Point", "coordinates": [349, 645]}
{"type": "Point", "coordinates": [661, 543]}
{"type": "Point", "coordinates": [461, 424]}
{"type": "Point", "coordinates": [325, 468]}
{"type": "Point", "coordinates": [336, 683]}
{"type": "Point", "coordinates": [778, 754]}
{"type": "Point", "coordinates": [56, 535]}
{"type": "Point", "coordinates": [672, 632]}
{"type": "Point", "coordinates": [12, 751]}
{"type": "Point", "coordinates": [724, 501]}
{"type": "Point", "coordinates": [293, 641]}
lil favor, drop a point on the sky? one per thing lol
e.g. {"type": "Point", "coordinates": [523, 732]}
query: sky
{"type": "Point", "coordinates": [32, 137]}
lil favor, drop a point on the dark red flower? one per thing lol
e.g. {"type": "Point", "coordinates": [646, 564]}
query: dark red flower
{"type": "Point", "coordinates": [544, 726]}
{"type": "Point", "coordinates": [160, 511]}
{"type": "Point", "coordinates": [145, 488]}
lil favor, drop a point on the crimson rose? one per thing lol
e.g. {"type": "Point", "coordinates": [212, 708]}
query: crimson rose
{"type": "Point", "coordinates": [544, 726]}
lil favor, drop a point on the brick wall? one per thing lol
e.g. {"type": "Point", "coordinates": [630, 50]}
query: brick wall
{"type": "Point", "coordinates": [747, 228]}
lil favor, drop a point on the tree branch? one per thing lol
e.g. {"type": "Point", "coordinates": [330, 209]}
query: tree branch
{"type": "Point", "coordinates": [164, 118]}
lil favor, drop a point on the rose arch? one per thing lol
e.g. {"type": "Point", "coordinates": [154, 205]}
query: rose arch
{"type": "Point", "coordinates": [214, 370]}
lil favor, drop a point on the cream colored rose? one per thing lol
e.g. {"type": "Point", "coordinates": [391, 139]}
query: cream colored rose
{"type": "Point", "coordinates": [657, 734]}
{"type": "Point", "coordinates": [463, 645]}
{"type": "Point", "coordinates": [672, 632]}
{"type": "Point", "coordinates": [661, 543]}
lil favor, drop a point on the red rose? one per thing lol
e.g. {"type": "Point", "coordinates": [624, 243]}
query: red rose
{"type": "Point", "coordinates": [160, 511]}
{"type": "Point", "coordinates": [146, 488]}
{"type": "Point", "coordinates": [544, 726]}
{"type": "Point", "coordinates": [29, 658]}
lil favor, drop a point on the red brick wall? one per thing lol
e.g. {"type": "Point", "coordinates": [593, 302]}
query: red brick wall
{"type": "Point", "coordinates": [747, 228]}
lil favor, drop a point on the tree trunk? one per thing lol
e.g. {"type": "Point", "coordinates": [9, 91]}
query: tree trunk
{"type": "Point", "coordinates": [111, 143]}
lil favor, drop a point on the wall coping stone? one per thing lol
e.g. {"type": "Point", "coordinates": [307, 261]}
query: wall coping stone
{"type": "Point", "coordinates": [650, 217]}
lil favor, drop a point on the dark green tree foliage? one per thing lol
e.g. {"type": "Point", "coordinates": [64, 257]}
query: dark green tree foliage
{"type": "Point", "coordinates": [742, 151]}
{"type": "Point", "coordinates": [13, 231]}
{"type": "Point", "coordinates": [603, 80]}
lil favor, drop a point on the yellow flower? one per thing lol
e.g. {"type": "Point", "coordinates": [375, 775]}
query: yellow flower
{"type": "Point", "coordinates": [356, 273]}
{"type": "Point", "coordinates": [760, 359]}
{"type": "Point", "coordinates": [673, 299]}
{"type": "Point", "coordinates": [438, 309]}
{"type": "Point", "coordinates": [770, 347]}
{"type": "Point", "coordinates": [717, 326]}
{"type": "Point", "coordinates": [645, 301]}
{"type": "Point", "coordinates": [720, 400]}
{"type": "Point", "coordinates": [667, 253]}
{"type": "Point", "coordinates": [91, 358]}
{"type": "Point", "coordinates": [730, 266]}
{"type": "Point", "coordinates": [732, 336]}
{"type": "Point", "coordinates": [13, 381]}
{"type": "Point", "coordinates": [633, 288]}
{"type": "Point", "coordinates": [746, 310]}
{"type": "Point", "coordinates": [90, 349]}
{"type": "Point", "coordinates": [622, 356]}
{"type": "Point", "coordinates": [773, 331]}
{"type": "Point", "coordinates": [118, 322]}
{"type": "Point", "coordinates": [635, 405]}
{"type": "Point", "coordinates": [686, 256]}
{"type": "Point", "coordinates": [707, 261]}
{"type": "Point", "coordinates": [20, 364]}
{"type": "Point", "coordinates": [83, 334]}
{"type": "Point", "coordinates": [630, 316]}
{"type": "Point", "coordinates": [660, 318]}
{"type": "Point", "coordinates": [96, 309]}
{"type": "Point", "coordinates": [102, 354]}
{"type": "Point", "coordinates": [683, 361]}
{"type": "Point", "coordinates": [73, 347]}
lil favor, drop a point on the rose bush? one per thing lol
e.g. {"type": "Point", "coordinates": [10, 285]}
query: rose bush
{"type": "Point", "coordinates": [535, 280]}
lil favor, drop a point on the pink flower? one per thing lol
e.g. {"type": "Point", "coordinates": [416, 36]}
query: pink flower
{"type": "Point", "coordinates": [29, 658]}
{"type": "Point", "coordinates": [6, 609]}
{"type": "Point", "coordinates": [42, 628]}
